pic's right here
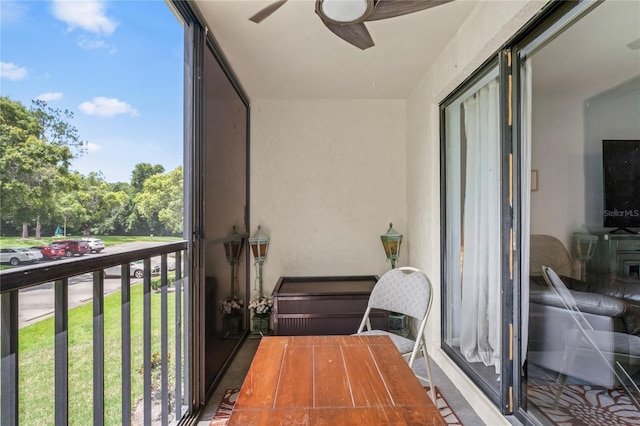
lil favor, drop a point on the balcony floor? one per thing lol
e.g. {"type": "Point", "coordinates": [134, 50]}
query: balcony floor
{"type": "Point", "coordinates": [234, 377]}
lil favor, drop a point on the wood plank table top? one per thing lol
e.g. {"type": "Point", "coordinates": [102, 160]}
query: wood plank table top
{"type": "Point", "coordinates": [332, 380]}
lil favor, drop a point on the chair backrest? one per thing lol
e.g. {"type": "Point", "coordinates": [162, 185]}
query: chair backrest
{"type": "Point", "coordinates": [403, 290]}
{"type": "Point", "coordinates": [569, 302]}
{"type": "Point", "coordinates": [549, 251]}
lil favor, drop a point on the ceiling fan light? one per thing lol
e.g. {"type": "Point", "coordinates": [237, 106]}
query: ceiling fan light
{"type": "Point", "coordinates": [344, 11]}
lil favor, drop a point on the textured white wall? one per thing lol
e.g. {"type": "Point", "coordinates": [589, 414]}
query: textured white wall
{"type": "Point", "coordinates": [490, 25]}
{"type": "Point", "coordinates": [327, 177]}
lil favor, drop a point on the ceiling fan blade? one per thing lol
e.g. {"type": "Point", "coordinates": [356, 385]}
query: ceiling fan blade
{"type": "Point", "coordinates": [267, 11]}
{"type": "Point", "coordinates": [356, 34]}
{"type": "Point", "coordinates": [390, 8]}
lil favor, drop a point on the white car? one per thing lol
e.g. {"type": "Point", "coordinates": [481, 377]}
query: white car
{"type": "Point", "coordinates": [17, 255]}
{"type": "Point", "coordinates": [96, 245]}
{"type": "Point", "coordinates": [136, 269]}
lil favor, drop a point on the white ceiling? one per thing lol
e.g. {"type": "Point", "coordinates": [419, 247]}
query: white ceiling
{"type": "Point", "coordinates": [291, 54]}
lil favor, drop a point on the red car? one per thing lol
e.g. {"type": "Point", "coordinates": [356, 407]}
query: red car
{"type": "Point", "coordinates": [51, 252]}
{"type": "Point", "coordinates": [74, 247]}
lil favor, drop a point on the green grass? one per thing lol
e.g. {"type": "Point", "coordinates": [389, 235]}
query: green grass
{"type": "Point", "coordinates": [108, 240]}
{"type": "Point", "coordinates": [36, 360]}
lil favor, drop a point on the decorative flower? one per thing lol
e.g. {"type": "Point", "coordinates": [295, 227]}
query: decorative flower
{"type": "Point", "coordinates": [230, 305]}
{"type": "Point", "coordinates": [261, 306]}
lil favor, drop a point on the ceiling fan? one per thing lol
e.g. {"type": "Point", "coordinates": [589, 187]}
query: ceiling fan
{"type": "Point", "coordinates": [346, 18]}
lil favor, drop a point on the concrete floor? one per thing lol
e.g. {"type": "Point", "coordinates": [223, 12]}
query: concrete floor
{"type": "Point", "coordinates": [234, 377]}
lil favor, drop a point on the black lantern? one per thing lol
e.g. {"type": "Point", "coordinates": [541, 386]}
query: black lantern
{"type": "Point", "coordinates": [232, 249]}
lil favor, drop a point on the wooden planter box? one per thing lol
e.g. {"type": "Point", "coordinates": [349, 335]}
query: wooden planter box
{"type": "Point", "coordinates": [323, 305]}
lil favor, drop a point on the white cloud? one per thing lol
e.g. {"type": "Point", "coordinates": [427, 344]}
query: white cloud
{"type": "Point", "coordinates": [49, 96]}
{"type": "Point", "coordinates": [89, 44]}
{"type": "Point", "coordinates": [93, 147]}
{"type": "Point", "coordinates": [107, 107]}
{"type": "Point", "coordinates": [88, 14]}
{"type": "Point", "coordinates": [12, 72]}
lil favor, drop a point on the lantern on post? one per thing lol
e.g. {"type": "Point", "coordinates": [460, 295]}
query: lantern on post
{"type": "Point", "coordinates": [391, 242]}
{"type": "Point", "coordinates": [259, 245]}
{"type": "Point", "coordinates": [232, 250]}
{"type": "Point", "coordinates": [585, 247]}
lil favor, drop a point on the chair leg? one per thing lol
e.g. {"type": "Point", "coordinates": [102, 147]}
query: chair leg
{"type": "Point", "coordinates": [428, 364]}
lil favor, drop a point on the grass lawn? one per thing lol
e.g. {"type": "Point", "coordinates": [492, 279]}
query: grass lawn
{"type": "Point", "coordinates": [36, 358]}
{"type": "Point", "coordinates": [108, 240]}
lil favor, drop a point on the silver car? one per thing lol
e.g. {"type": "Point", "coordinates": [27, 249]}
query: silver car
{"type": "Point", "coordinates": [96, 245]}
{"type": "Point", "coordinates": [136, 269]}
{"type": "Point", "coordinates": [17, 255]}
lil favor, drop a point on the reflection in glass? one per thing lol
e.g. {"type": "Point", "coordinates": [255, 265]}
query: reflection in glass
{"type": "Point", "coordinates": [582, 356]}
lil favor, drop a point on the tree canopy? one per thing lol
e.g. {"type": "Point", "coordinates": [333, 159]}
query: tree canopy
{"type": "Point", "coordinates": [37, 185]}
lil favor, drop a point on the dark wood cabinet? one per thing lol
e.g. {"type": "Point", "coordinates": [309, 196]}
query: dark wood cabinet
{"type": "Point", "coordinates": [616, 254]}
{"type": "Point", "coordinates": [323, 305]}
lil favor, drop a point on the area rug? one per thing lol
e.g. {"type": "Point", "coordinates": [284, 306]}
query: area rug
{"type": "Point", "coordinates": [229, 399]}
{"type": "Point", "coordinates": [582, 405]}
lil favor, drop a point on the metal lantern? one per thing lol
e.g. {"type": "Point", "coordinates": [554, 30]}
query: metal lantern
{"type": "Point", "coordinates": [232, 249]}
{"type": "Point", "coordinates": [585, 247]}
{"type": "Point", "coordinates": [391, 242]}
{"type": "Point", "coordinates": [259, 245]}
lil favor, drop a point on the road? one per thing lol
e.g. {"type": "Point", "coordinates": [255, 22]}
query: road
{"type": "Point", "coordinates": [37, 303]}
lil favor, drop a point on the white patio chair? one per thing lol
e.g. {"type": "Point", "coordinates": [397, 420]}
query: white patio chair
{"type": "Point", "coordinates": [604, 346]}
{"type": "Point", "coordinates": [406, 291]}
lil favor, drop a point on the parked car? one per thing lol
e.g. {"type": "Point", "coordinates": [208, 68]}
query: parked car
{"type": "Point", "coordinates": [96, 245]}
{"type": "Point", "coordinates": [50, 252]}
{"type": "Point", "coordinates": [16, 255]}
{"type": "Point", "coordinates": [74, 247]}
{"type": "Point", "coordinates": [136, 269]}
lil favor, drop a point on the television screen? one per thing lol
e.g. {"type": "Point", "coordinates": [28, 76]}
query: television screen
{"type": "Point", "coordinates": [621, 173]}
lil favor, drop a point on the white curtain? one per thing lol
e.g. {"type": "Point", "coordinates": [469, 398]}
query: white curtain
{"type": "Point", "coordinates": [481, 296]}
{"type": "Point", "coordinates": [525, 94]}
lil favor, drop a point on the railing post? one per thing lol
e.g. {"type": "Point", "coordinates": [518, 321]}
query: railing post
{"type": "Point", "coordinates": [146, 338]}
{"type": "Point", "coordinates": [178, 330]}
{"type": "Point", "coordinates": [98, 348]}
{"type": "Point", "coordinates": [125, 310]}
{"type": "Point", "coordinates": [62, 351]}
{"type": "Point", "coordinates": [164, 340]}
{"type": "Point", "coordinates": [9, 358]}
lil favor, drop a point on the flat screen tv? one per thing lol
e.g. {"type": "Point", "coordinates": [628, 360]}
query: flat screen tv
{"type": "Point", "coordinates": [621, 173]}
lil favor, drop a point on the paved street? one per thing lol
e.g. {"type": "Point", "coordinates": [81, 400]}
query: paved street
{"type": "Point", "coordinates": [37, 303]}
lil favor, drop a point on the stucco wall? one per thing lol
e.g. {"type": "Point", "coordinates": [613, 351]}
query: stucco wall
{"type": "Point", "coordinates": [327, 177]}
{"type": "Point", "coordinates": [487, 29]}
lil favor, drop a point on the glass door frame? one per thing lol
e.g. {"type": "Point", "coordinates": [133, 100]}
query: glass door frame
{"type": "Point", "coordinates": [552, 18]}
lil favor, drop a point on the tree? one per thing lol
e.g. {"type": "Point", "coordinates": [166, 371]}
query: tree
{"type": "Point", "coordinates": [29, 162]}
{"type": "Point", "coordinates": [143, 171]}
{"type": "Point", "coordinates": [89, 201]}
{"type": "Point", "coordinates": [161, 202]}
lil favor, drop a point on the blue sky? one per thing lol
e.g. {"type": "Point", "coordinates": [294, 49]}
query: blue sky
{"type": "Point", "coordinates": [117, 65]}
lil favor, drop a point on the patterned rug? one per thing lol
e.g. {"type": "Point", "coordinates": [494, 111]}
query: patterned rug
{"type": "Point", "coordinates": [582, 405]}
{"type": "Point", "coordinates": [229, 399]}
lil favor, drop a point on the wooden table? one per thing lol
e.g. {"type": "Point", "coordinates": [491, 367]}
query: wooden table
{"type": "Point", "coordinates": [332, 380]}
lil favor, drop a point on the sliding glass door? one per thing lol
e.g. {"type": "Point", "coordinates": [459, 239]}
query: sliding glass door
{"type": "Point", "coordinates": [579, 363]}
{"type": "Point", "coordinates": [524, 148]}
{"type": "Point", "coordinates": [472, 198]}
